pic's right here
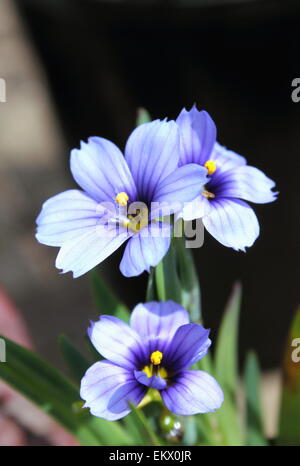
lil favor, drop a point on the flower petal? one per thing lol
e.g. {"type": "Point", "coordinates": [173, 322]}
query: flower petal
{"type": "Point", "coordinates": [81, 254]}
{"type": "Point", "coordinates": [193, 392]}
{"type": "Point", "coordinates": [195, 209]}
{"type": "Point", "coordinates": [116, 341]}
{"type": "Point", "coordinates": [198, 135]}
{"type": "Point", "coordinates": [157, 322]}
{"type": "Point", "coordinates": [189, 344]}
{"type": "Point", "coordinates": [246, 182]}
{"type": "Point", "coordinates": [101, 170]}
{"type": "Point", "coordinates": [107, 390]}
{"type": "Point", "coordinates": [155, 381]}
{"type": "Point", "coordinates": [66, 216]}
{"type": "Point", "coordinates": [152, 153]}
{"type": "Point", "coordinates": [225, 159]}
{"type": "Point", "coordinates": [182, 185]}
{"type": "Point", "coordinates": [146, 249]}
{"type": "Point", "coordinates": [232, 222]}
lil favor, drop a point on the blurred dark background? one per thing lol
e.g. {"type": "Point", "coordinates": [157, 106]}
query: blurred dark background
{"type": "Point", "coordinates": [101, 60]}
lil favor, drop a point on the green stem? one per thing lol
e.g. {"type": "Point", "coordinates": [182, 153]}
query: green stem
{"type": "Point", "coordinates": [191, 298]}
{"type": "Point", "coordinates": [160, 281]}
{"type": "Point", "coordinates": [144, 426]}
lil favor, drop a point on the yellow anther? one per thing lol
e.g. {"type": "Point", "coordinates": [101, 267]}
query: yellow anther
{"type": "Point", "coordinates": [122, 198]}
{"type": "Point", "coordinates": [137, 221]}
{"type": "Point", "coordinates": [207, 194]}
{"type": "Point", "coordinates": [156, 357]}
{"type": "Point", "coordinates": [211, 166]}
{"type": "Point", "coordinates": [148, 371]}
{"type": "Point", "coordinates": [157, 371]}
{"type": "Point", "coordinates": [162, 373]}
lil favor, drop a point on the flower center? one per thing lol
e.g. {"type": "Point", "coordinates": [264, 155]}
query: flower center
{"type": "Point", "coordinates": [135, 222]}
{"type": "Point", "coordinates": [208, 194]}
{"type": "Point", "coordinates": [156, 357]}
{"type": "Point", "coordinates": [154, 368]}
{"type": "Point", "coordinates": [122, 198]}
{"type": "Point", "coordinates": [211, 166]}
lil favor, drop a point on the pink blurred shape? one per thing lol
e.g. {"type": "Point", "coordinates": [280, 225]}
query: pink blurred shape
{"type": "Point", "coordinates": [16, 412]}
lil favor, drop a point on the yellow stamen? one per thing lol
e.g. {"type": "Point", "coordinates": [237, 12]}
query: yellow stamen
{"type": "Point", "coordinates": [158, 371]}
{"type": "Point", "coordinates": [207, 194]}
{"type": "Point", "coordinates": [136, 222]}
{"type": "Point", "coordinates": [156, 357]}
{"type": "Point", "coordinates": [211, 166]}
{"type": "Point", "coordinates": [162, 372]}
{"type": "Point", "coordinates": [122, 198]}
{"type": "Point", "coordinates": [148, 371]}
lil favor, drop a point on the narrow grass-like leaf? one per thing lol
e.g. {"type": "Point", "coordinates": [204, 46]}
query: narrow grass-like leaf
{"type": "Point", "coordinates": [289, 424]}
{"type": "Point", "coordinates": [146, 430]}
{"type": "Point", "coordinates": [189, 424]}
{"type": "Point", "coordinates": [111, 433]}
{"type": "Point", "coordinates": [205, 364]}
{"type": "Point", "coordinates": [134, 429]}
{"type": "Point", "coordinates": [227, 344]}
{"type": "Point", "coordinates": [95, 356]}
{"type": "Point", "coordinates": [151, 294]}
{"type": "Point", "coordinates": [166, 278]}
{"type": "Point", "coordinates": [50, 390]}
{"type": "Point", "coordinates": [143, 116]}
{"type": "Point", "coordinates": [190, 288]}
{"type": "Point", "coordinates": [255, 436]}
{"type": "Point", "coordinates": [76, 362]}
{"type": "Point", "coordinates": [209, 429]}
{"type": "Point", "coordinates": [105, 299]}
{"type": "Point", "coordinates": [226, 371]}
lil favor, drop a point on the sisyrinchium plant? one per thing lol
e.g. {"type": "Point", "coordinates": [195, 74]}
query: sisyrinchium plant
{"type": "Point", "coordinates": [154, 352]}
{"type": "Point", "coordinates": [156, 384]}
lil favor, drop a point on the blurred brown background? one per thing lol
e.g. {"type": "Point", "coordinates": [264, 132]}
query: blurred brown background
{"type": "Point", "coordinates": [79, 68]}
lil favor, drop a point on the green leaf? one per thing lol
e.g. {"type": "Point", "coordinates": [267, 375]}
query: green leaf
{"type": "Point", "coordinates": [76, 362]}
{"type": "Point", "coordinates": [205, 364]}
{"type": "Point", "coordinates": [143, 116]}
{"type": "Point", "coordinates": [226, 371]}
{"type": "Point", "coordinates": [50, 390]}
{"type": "Point", "coordinates": [95, 356]}
{"type": "Point", "coordinates": [151, 294]}
{"type": "Point", "coordinates": [209, 428]}
{"type": "Point", "coordinates": [175, 278]}
{"type": "Point", "coordinates": [147, 433]}
{"type": "Point", "coordinates": [134, 430]}
{"type": "Point", "coordinates": [139, 435]}
{"type": "Point", "coordinates": [289, 425]}
{"type": "Point", "coordinates": [255, 436]}
{"type": "Point", "coordinates": [190, 289]}
{"type": "Point", "coordinates": [105, 300]}
{"type": "Point", "coordinates": [189, 425]}
{"type": "Point", "coordinates": [166, 278]}
{"type": "Point", "coordinates": [110, 432]}
{"type": "Point", "coordinates": [227, 344]}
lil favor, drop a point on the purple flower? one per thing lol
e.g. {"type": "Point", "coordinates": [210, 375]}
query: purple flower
{"type": "Point", "coordinates": [155, 351]}
{"type": "Point", "coordinates": [117, 200]}
{"type": "Point", "coordinates": [231, 181]}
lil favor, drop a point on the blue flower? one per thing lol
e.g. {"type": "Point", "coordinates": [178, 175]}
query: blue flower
{"type": "Point", "coordinates": [117, 201]}
{"type": "Point", "coordinates": [155, 351]}
{"type": "Point", "coordinates": [231, 182]}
